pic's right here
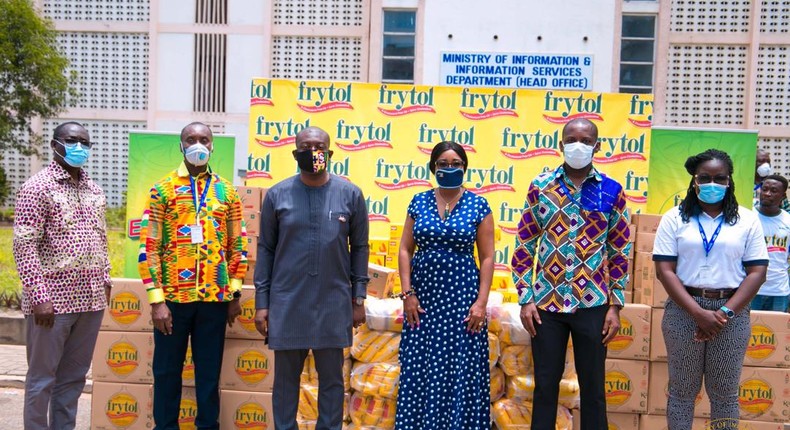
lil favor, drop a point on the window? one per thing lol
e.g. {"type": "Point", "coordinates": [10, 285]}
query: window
{"type": "Point", "coordinates": [397, 65]}
{"type": "Point", "coordinates": [637, 52]}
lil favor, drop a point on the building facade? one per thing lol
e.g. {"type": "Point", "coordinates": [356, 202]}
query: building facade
{"type": "Point", "coordinates": [159, 64]}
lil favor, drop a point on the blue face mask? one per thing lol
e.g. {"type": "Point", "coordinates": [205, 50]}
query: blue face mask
{"type": "Point", "coordinates": [450, 177]}
{"type": "Point", "coordinates": [711, 193]}
{"type": "Point", "coordinates": [76, 154]}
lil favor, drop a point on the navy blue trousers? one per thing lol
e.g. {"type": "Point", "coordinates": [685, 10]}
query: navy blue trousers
{"type": "Point", "coordinates": [204, 324]}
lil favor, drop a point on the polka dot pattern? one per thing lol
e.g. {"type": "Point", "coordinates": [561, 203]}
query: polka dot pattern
{"type": "Point", "coordinates": [444, 381]}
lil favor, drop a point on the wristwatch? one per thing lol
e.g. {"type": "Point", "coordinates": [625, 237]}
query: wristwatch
{"type": "Point", "coordinates": [236, 295]}
{"type": "Point", "coordinates": [727, 311]}
{"type": "Point", "coordinates": [359, 301]}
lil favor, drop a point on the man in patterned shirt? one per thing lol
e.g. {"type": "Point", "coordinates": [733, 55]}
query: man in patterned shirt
{"type": "Point", "coordinates": [60, 247]}
{"type": "Point", "coordinates": [193, 256]}
{"type": "Point", "coordinates": [575, 224]}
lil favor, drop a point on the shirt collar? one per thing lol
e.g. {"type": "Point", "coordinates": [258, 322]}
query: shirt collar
{"type": "Point", "coordinates": [184, 173]}
{"type": "Point", "coordinates": [593, 173]}
{"type": "Point", "coordinates": [60, 174]}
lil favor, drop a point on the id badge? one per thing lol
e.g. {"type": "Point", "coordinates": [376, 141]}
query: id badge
{"type": "Point", "coordinates": [706, 275]}
{"type": "Point", "coordinates": [196, 232]}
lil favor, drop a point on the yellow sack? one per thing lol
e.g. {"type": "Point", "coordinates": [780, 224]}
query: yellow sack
{"type": "Point", "coordinates": [369, 411]}
{"type": "Point", "coordinates": [497, 384]}
{"type": "Point", "coordinates": [375, 346]}
{"type": "Point", "coordinates": [516, 360]}
{"type": "Point", "coordinates": [376, 379]}
{"type": "Point", "coordinates": [510, 414]}
{"type": "Point", "coordinates": [310, 375]}
{"type": "Point", "coordinates": [493, 349]}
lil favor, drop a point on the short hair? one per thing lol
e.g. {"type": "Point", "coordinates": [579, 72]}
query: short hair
{"type": "Point", "coordinates": [443, 147]}
{"type": "Point", "coordinates": [192, 124]}
{"type": "Point", "coordinates": [59, 129]}
{"type": "Point", "coordinates": [312, 129]}
{"type": "Point", "coordinates": [582, 121]}
{"type": "Point", "coordinates": [778, 178]}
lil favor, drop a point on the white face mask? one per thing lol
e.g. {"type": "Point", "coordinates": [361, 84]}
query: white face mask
{"type": "Point", "coordinates": [577, 154]}
{"type": "Point", "coordinates": [764, 170]}
{"type": "Point", "coordinates": [197, 154]}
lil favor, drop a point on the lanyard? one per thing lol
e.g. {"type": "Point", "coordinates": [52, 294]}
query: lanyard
{"type": "Point", "coordinates": [568, 193]}
{"type": "Point", "coordinates": [705, 244]}
{"type": "Point", "coordinates": [198, 204]}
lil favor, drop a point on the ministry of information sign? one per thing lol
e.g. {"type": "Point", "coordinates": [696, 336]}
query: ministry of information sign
{"type": "Point", "coordinates": [508, 70]}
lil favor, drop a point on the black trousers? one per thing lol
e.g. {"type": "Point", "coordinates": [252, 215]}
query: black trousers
{"type": "Point", "coordinates": [288, 365]}
{"type": "Point", "coordinates": [548, 351]}
{"type": "Point", "coordinates": [204, 324]}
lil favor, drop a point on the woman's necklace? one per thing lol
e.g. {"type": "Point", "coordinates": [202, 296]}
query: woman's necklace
{"type": "Point", "coordinates": [448, 203]}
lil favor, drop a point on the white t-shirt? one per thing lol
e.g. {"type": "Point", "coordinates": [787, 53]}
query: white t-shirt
{"type": "Point", "coordinates": [736, 246]}
{"type": "Point", "coordinates": [776, 230]}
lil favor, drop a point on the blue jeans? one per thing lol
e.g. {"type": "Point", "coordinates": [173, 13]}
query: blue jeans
{"type": "Point", "coordinates": [770, 303]}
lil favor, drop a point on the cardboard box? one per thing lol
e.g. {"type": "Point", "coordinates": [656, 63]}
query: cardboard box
{"type": "Point", "coordinates": [622, 421]}
{"type": "Point", "coordinates": [382, 280]}
{"type": "Point", "coordinates": [658, 348]}
{"type": "Point", "coordinates": [378, 259]}
{"type": "Point", "coordinates": [769, 343]}
{"type": "Point", "coordinates": [124, 357]}
{"type": "Point", "coordinates": [247, 365]}
{"type": "Point", "coordinates": [249, 275]}
{"type": "Point", "coordinates": [252, 247]}
{"type": "Point", "coordinates": [626, 386]}
{"type": "Point", "coordinates": [393, 248]}
{"type": "Point", "coordinates": [644, 242]}
{"type": "Point", "coordinates": [128, 309]}
{"type": "Point", "coordinates": [659, 422]}
{"type": "Point", "coordinates": [252, 222]}
{"type": "Point", "coordinates": [122, 406]}
{"type": "Point", "coordinates": [396, 231]}
{"type": "Point", "coordinates": [743, 425]}
{"type": "Point", "coordinates": [241, 410]}
{"type": "Point", "coordinates": [648, 289]}
{"type": "Point", "coordinates": [244, 327]}
{"type": "Point", "coordinates": [659, 393]}
{"type": "Point", "coordinates": [378, 245]}
{"type": "Point", "coordinates": [187, 411]}
{"type": "Point", "coordinates": [502, 282]}
{"type": "Point", "coordinates": [250, 198]}
{"type": "Point", "coordinates": [646, 223]}
{"type": "Point", "coordinates": [764, 394]}
{"type": "Point", "coordinates": [392, 261]}
{"type": "Point", "coordinates": [633, 339]}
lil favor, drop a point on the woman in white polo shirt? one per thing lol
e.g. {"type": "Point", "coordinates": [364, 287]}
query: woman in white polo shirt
{"type": "Point", "coordinates": [711, 257]}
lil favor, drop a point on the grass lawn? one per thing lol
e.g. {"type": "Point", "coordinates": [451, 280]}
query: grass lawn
{"type": "Point", "coordinates": [9, 279]}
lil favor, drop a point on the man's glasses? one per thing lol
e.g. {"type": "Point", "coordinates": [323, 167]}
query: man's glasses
{"type": "Point", "coordinates": [71, 142]}
{"type": "Point", "coordinates": [707, 179]}
{"type": "Point", "coordinates": [457, 164]}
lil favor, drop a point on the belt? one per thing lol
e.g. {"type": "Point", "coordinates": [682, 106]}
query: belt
{"type": "Point", "coordinates": [712, 293]}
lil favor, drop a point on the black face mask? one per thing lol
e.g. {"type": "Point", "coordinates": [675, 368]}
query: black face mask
{"type": "Point", "coordinates": [311, 161]}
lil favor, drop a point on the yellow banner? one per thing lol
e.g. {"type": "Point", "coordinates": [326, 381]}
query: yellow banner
{"type": "Point", "coordinates": [382, 136]}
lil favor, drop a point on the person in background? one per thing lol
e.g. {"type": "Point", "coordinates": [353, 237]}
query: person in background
{"type": "Point", "coordinates": [773, 294]}
{"type": "Point", "coordinates": [60, 248]}
{"type": "Point", "coordinates": [444, 375]}
{"type": "Point", "coordinates": [762, 169]}
{"type": "Point", "coordinates": [579, 218]}
{"type": "Point", "coordinates": [311, 278]}
{"type": "Point", "coordinates": [193, 256]}
{"type": "Point", "coordinates": [711, 257]}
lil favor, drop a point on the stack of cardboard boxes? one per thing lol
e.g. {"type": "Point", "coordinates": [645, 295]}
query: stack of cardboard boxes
{"type": "Point", "coordinates": [251, 199]}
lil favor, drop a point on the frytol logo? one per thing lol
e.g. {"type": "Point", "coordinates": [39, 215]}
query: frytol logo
{"type": "Point", "coordinates": [635, 187]}
{"type": "Point", "coordinates": [403, 102]}
{"type": "Point", "coordinates": [400, 176]}
{"type": "Point", "coordinates": [488, 180]}
{"type": "Point", "coordinates": [463, 137]}
{"type": "Point", "coordinates": [279, 133]}
{"type": "Point", "coordinates": [378, 210]}
{"type": "Point", "coordinates": [487, 105]}
{"type": "Point", "coordinates": [510, 215]}
{"type": "Point", "coordinates": [261, 94]}
{"type": "Point", "coordinates": [523, 145]}
{"type": "Point", "coordinates": [355, 137]}
{"type": "Point", "coordinates": [259, 167]}
{"type": "Point", "coordinates": [316, 98]}
{"type": "Point", "coordinates": [619, 148]}
{"type": "Point", "coordinates": [642, 109]}
{"type": "Point", "coordinates": [502, 259]}
{"type": "Point", "coordinates": [585, 107]}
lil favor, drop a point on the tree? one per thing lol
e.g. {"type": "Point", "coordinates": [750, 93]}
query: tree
{"type": "Point", "coordinates": [34, 78]}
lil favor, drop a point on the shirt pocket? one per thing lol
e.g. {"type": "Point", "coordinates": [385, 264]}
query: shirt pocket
{"type": "Point", "coordinates": [338, 224]}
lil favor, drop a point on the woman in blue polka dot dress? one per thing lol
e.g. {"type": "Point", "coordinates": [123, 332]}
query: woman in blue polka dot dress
{"type": "Point", "coordinates": [444, 379]}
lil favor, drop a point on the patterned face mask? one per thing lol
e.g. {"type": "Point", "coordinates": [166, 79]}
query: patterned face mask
{"type": "Point", "coordinates": [312, 161]}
